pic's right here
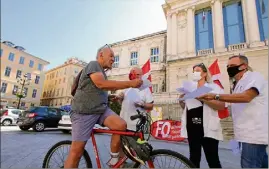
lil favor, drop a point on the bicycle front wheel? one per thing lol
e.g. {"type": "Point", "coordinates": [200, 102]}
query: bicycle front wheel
{"type": "Point", "coordinates": [167, 159]}
{"type": "Point", "coordinates": [58, 153]}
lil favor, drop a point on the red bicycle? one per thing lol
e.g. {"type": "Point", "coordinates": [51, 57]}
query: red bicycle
{"type": "Point", "coordinates": [152, 161]}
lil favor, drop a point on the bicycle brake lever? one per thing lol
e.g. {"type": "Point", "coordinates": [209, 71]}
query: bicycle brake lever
{"type": "Point", "coordinates": [138, 111]}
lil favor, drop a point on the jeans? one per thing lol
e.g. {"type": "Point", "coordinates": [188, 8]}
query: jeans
{"type": "Point", "coordinates": [210, 147]}
{"type": "Point", "coordinates": [254, 156]}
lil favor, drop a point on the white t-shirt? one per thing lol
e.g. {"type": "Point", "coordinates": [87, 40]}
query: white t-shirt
{"type": "Point", "coordinates": [128, 108]}
{"type": "Point", "coordinates": [251, 119]}
{"type": "Point", "coordinates": [211, 120]}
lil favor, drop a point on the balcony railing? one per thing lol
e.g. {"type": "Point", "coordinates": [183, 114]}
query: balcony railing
{"type": "Point", "coordinates": [205, 52]}
{"type": "Point", "coordinates": [237, 46]}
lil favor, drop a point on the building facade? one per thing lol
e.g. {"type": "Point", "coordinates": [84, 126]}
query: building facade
{"type": "Point", "coordinates": [136, 52]}
{"type": "Point", "coordinates": [15, 63]}
{"type": "Point", "coordinates": [198, 31]}
{"type": "Point", "coordinates": [206, 30]}
{"type": "Point", "coordinates": [58, 82]}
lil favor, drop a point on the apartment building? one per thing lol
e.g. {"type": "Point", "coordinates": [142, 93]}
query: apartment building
{"type": "Point", "coordinates": [15, 63]}
{"type": "Point", "coordinates": [58, 82]}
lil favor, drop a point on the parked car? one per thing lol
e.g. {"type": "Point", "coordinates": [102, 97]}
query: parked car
{"type": "Point", "coordinates": [9, 116]}
{"type": "Point", "coordinates": [65, 124]}
{"type": "Point", "coordinates": [39, 118]}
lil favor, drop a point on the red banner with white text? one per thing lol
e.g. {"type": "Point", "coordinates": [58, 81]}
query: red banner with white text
{"type": "Point", "coordinates": [168, 130]}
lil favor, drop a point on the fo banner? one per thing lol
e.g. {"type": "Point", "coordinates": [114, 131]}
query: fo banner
{"type": "Point", "coordinates": [168, 130]}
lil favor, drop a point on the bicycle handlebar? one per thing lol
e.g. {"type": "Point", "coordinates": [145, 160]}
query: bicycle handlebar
{"type": "Point", "coordinates": [143, 120]}
{"type": "Point", "coordinates": [134, 117]}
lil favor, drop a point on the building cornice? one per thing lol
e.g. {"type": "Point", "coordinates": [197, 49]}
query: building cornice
{"type": "Point", "coordinates": [63, 65]}
{"type": "Point", "coordinates": [46, 62]}
{"type": "Point", "coordinates": [132, 40]}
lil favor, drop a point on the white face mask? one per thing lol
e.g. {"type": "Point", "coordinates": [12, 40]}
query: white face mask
{"type": "Point", "coordinates": [196, 76]}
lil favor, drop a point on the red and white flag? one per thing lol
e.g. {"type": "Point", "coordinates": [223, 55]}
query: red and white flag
{"type": "Point", "coordinates": [215, 72]}
{"type": "Point", "coordinates": [146, 70]}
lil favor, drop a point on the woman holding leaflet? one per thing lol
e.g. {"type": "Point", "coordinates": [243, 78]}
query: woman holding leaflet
{"type": "Point", "coordinates": [200, 121]}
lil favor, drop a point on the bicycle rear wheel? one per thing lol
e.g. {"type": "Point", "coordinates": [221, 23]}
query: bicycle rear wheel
{"type": "Point", "coordinates": [58, 149]}
{"type": "Point", "coordinates": [167, 156]}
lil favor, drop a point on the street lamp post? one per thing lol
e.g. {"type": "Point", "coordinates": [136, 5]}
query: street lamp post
{"type": "Point", "coordinates": [23, 81]}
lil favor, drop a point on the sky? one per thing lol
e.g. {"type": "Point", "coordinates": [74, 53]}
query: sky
{"type": "Point", "coordinates": [55, 30]}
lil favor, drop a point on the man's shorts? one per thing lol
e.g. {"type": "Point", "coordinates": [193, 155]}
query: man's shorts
{"type": "Point", "coordinates": [82, 124]}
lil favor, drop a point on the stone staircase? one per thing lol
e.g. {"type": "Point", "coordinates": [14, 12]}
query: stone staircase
{"type": "Point", "coordinates": [227, 128]}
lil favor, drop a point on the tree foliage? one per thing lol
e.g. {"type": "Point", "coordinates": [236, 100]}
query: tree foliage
{"type": "Point", "coordinates": [19, 95]}
{"type": "Point", "coordinates": [115, 106]}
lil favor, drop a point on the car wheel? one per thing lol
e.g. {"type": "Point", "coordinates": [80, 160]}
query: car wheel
{"type": "Point", "coordinates": [24, 128]}
{"type": "Point", "coordinates": [66, 131]}
{"type": "Point", "coordinates": [39, 126]}
{"type": "Point", "coordinates": [6, 122]}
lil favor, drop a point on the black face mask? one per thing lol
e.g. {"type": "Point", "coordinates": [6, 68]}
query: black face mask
{"type": "Point", "coordinates": [232, 71]}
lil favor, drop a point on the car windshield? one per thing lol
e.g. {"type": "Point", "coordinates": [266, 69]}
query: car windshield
{"type": "Point", "coordinates": [65, 112]}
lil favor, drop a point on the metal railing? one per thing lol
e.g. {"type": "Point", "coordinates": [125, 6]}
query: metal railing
{"type": "Point", "coordinates": [237, 46]}
{"type": "Point", "coordinates": [172, 110]}
{"type": "Point", "coordinates": [205, 52]}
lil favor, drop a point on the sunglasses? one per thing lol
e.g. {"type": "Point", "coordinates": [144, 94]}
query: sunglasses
{"type": "Point", "coordinates": [201, 65]}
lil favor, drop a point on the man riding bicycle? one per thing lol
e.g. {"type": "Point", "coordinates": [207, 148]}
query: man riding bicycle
{"type": "Point", "coordinates": [90, 106]}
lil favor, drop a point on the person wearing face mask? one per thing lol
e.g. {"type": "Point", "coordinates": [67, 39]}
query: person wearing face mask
{"type": "Point", "coordinates": [249, 107]}
{"type": "Point", "coordinates": [200, 121]}
{"type": "Point", "coordinates": [143, 103]}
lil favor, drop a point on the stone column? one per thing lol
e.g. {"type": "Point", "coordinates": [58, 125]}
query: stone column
{"type": "Point", "coordinates": [182, 35]}
{"type": "Point", "coordinates": [169, 31]}
{"type": "Point", "coordinates": [218, 26]}
{"type": "Point", "coordinates": [174, 34]}
{"type": "Point", "coordinates": [190, 31]}
{"type": "Point", "coordinates": [251, 19]}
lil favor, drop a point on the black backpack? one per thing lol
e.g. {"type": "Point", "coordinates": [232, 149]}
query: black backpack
{"type": "Point", "coordinates": [75, 84]}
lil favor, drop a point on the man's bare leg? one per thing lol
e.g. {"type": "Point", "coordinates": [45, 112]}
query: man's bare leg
{"type": "Point", "coordinates": [75, 153]}
{"type": "Point", "coordinates": [114, 122]}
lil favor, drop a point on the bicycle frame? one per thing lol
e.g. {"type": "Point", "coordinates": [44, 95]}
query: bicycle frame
{"type": "Point", "coordinates": [124, 133]}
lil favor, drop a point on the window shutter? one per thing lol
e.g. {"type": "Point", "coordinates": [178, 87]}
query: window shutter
{"type": "Point", "coordinates": [259, 15]}
{"type": "Point", "coordinates": [197, 42]}
{"type": "Point", "coordinates": [210, 29]}
{"type": "Point", "coordinates": [225, 27]}
{"type": "Point", "coordinates": [241, 23]}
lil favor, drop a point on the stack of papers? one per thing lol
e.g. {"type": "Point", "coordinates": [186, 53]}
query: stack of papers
{"type": "Point", "coordinates": [146, 82]}
{"type": "Point", "coordinates": [198, 92]}
{"type": "Point", "coordinates": [191, 91]}
{"type": "Point", "coordinates": [187, 87]}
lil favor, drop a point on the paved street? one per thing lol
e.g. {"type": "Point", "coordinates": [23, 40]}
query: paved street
{"type": "Point", "coordinates": [20, 149]}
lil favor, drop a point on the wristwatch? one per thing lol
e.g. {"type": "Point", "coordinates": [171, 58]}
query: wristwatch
{"type": "Point", "coordinates": [217, 96]}
{"type": "Point", "coordinates": [142, 106]}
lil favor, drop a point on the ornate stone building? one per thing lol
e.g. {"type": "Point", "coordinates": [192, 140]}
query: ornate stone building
{"type": "Point", "coordinates": [197, 31]}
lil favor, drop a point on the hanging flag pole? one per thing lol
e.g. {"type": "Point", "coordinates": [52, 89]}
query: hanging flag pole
{"type": "Point", "coordinates": [215, 72]}
{"type": "Point", "coordinates": [146, 70]}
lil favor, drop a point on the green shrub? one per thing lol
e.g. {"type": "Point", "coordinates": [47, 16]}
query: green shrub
{"type": "Point", "coordinates": [115, 106]}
